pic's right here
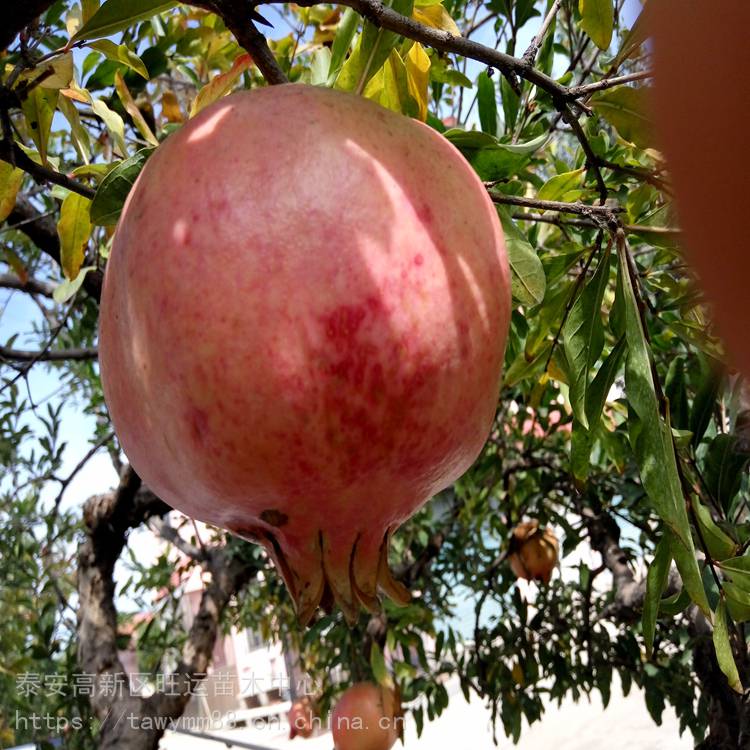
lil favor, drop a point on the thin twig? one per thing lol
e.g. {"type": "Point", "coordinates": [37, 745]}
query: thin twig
{"type": "Point", "coordinates": [575, 92]}
{"type": "Point", "coordinates": [530, 54]}
{"type": "Point", "coordinates": [48, 355]}
{"type": "Point", "coordinates": [583, 209]}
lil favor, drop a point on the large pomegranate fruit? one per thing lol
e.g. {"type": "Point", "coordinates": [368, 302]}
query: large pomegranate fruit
{"type": "Point", "coordinates": [702, 112]}
{"type": "Point", "coordinates": [533, 552]}
{"type": "Point", "coordinates": [367, 717]}
{"type": "Point", "coordinates": [302, 329]}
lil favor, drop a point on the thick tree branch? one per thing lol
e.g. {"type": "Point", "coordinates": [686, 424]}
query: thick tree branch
{"type": "Point", "coordinates": [31, 286]}
{"type": "Point", "coordinates": [13, 154]}
{"type": "Point", "coordinates": [52, 355]}
{"type": "Point", "coordinates": [107, 520]}
{"type": "Point", "coordinates": [17, 16]}
{"type": "Point", "coordinates": [239, 16]}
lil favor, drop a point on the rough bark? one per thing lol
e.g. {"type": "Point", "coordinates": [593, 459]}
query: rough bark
{"type": "Point", "coordinates": [728, 711]}
{"type": "Point", "coordinates": [132, 722]}
{"type": "Point", "coordinates": [17, 16]}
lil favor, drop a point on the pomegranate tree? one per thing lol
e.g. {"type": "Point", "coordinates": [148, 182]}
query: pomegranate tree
{"type": "Point", "coordinates": [367, 717]}
{"type": "Point", "coordinates": [303, 323]}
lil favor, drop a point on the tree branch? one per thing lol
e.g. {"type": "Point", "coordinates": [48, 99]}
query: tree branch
{"type": "Point", "coordinates": [574, 92]}
{"type": "Point", "coordinates": [17, 16]}
{"type": "Point", "coordinates": [385, 17]}
{"type": "Point", "coordinates": [530, 55]}
{"type": "Point", "coordinates": [238, 16]}
{"type": "Point", "coordinates": [31, 286]}
{"type": "Point", "coordinates": [14, 154]}
{"type": "Point", "coordinates": [107, 520]}
{"type": "Point", "coordinates": [52, 355]}
{"type": "Point", "coordinates": [583, 209]}
{"type": "Point", "coordinates": [172, 535]}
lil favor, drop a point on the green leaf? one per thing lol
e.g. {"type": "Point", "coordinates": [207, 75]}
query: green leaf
{"type": "Point", "coordinates": [624, 108]}
{"type": "Point", "coordinates": [341, 42]}
{"type": "Point", "coordinates": [114, 189]}
{"type": "Point", "coordinates": [377, 664]}
{"type": "Point", "coordinates": [719, 543]}
{"type": "Point", "coordinates": [705, 400]}
{"type": "Point", "coordinates": [583, 337]}
{"type": "Point", "coordinates": [724, 467]}
{"type": "Point", "coordinates": [114, 123]}
{"type": "Point", "coordinates": [120, 53]}
{"type": "Point", "coordinates": [487, 102]}
{"type": "Point", "coordinates": [527, 273]}
{"type": "Point", "coordinates": [39, 108]}
{"type": "Point", "coordinates": [65, 290]}
{"type": "Point", "coordinates": [673, 605]}
{"type": "Point", "coordinates": [556, 187]}
{"type": "Point", "coordinates": [581, 442]}
{"type": "Point", "coordinates": [738, 570]}
{"type": "Point", "coordinates": [598, 20]}
{"type": "Point", "coordinates": [738, 601]}
{"type": "Point", "coordinates": [74, 230]}
{"type": "Point", "coordinates": [118, 15]}
{"type": "Point", "coordinates": [370, 52]}
{"type": "Point", "coordinates": [600, 386]}
{"type": "Point", "coordinates": [656, 582]}
{"type": "Point", "coordinates": [633, 40]}
{"type": "Point", "coordinates": [79, 134]}
{"type": "Point", "coordinates": [724, 648]}
{"type": "Point", "coordinates": [652, 443]}
{"type": "Point", "coordinates": [320, 64]}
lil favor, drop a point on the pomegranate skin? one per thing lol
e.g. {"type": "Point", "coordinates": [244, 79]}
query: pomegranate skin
{"type": "Point", "coordinates": [701, 113]}
{"type": "Point", "coordinates": [366, 718]}
{"type": "Point", "coordinates": [303, 323]}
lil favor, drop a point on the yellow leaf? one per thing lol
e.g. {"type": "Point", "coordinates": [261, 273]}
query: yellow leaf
{"type": "Point", "coordinates": [132, 109]}
{"type": "Point", "coordinates": [77, 94]}
{"type": "Point", "coordinates": [114, 123]}
{"type": "Point", "coordinates": [74, 230]}
{"type": "Point", "coordinates": [437, 17]}
{"type": "Point", "coordinates": [418, 77]}
{"type": "Point", "coordinates": [170, 107]}
{"type": "Point", "coordinates": [56, 73]}
{"type": "Point", "coordinates": [10, 181]}
{"type": "Point", "coordinates": [220, 84]}
{"type": "Point", "coordinates": [79, 134]}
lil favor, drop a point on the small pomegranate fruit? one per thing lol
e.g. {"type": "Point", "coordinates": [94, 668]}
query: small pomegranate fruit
{"type": "Point", "coordinates": [302, 718]}
{"type": "Point", "coordinates": [701, 120]}
{"type": "Point", "coordinates": [303, 323]}
{"type": "Point", "coordinates": [367, 717]}
{"type": "Point", "coordinates": [533, 552]}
